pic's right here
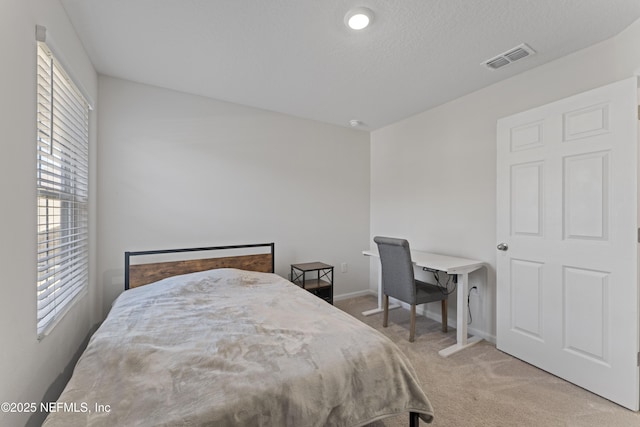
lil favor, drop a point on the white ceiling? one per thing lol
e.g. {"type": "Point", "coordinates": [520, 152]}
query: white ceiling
{"type": "Point", "coordinates": [297, 56]}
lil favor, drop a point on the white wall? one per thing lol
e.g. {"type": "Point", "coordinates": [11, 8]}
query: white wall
{"type": "Point", "coordinates": [178, 170]}
{"type": "Point", "coordinates": [433, 176]}
{"type": "Point", "coordinates": [29, 367]}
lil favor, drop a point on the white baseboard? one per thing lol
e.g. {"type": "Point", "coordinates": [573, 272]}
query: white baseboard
{"type": "Point", "coordinates": [353, 295]}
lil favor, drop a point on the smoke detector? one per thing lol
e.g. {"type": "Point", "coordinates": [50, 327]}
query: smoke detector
{"type": "Point", "coordinates": [512, 55]}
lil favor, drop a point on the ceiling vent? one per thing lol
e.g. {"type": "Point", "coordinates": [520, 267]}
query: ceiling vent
{"type": "Point", "coordinates": [512, 55]}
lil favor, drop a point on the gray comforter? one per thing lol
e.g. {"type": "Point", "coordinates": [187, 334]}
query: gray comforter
{"type": "Point", "coordinates": [231, 347]}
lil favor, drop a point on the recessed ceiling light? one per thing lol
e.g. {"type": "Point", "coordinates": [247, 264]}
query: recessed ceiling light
{"type": "Point", "coordinates": [358, 18]}
{"type": "Point", "coordinates": [354, 123]}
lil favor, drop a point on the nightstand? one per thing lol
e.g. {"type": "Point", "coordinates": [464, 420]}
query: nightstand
{"type": "Point", "coordinates": [315, 277]}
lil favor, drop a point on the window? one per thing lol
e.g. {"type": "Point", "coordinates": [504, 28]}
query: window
{"type": "Point", "coordinates": [62, 189]}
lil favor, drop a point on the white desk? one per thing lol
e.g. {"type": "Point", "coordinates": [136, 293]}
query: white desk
{"type": "Point", "coordinates": [450, 265]}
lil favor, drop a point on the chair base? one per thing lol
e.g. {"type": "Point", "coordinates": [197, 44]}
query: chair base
{"type": "Point", "coordinates": [412, 327]}
{"type": "Point", "coordinates": [385, 319]}
{"type": "Point", "coordinates": [443, 306]}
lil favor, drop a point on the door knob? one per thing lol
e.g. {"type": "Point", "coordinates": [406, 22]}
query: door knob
{"type": "Point", "coordinates": [503, 247]}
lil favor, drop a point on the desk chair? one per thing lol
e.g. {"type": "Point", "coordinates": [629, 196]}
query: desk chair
{"type": "Point", "coordinates": [398, 281]}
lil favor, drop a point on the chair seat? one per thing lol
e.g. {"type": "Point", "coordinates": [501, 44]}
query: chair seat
{"type": "Point", "coordinates": [427, 292]}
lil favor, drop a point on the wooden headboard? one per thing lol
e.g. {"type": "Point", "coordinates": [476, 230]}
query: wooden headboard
{"type": "Point", "coordinates": [142, 274]}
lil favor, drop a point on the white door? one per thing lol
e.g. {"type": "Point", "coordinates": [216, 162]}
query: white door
{"type": "Point", "coordinates": [567, 272]}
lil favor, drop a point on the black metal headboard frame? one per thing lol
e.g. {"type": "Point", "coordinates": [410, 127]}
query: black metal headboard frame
{"type": "Point", "coordinates": [129, 254]}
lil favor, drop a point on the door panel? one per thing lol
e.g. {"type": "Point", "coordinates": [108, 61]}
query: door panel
{"type": "Point", "coordinates": [526, 199]}
{"type": "Point", "coordinates": [586, 313]}
{"type": "Point", "coordinates": [526, 301]}
{"type": "Point", "coordinates": [567, 190]}
{"type": "Point", "coordinates": [586, 122]}
{"type": "Point", "coordinates": [586, 193]}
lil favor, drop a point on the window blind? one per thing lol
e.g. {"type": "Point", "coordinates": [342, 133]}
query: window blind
{"type": "Point", "coordinates": [62, 191]}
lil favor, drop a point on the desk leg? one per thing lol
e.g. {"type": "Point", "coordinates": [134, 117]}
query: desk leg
{"type": "Point", "coordinates": [461, 327]}
{"type": "Point", "coordinates": [380, 308]}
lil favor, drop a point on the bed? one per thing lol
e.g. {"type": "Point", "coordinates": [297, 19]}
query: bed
{"type": "Point", "coordinates": [227, 345]}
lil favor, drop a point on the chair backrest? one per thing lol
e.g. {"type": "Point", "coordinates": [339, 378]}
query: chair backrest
{"type": "Point", "coordinates": [398, 280]}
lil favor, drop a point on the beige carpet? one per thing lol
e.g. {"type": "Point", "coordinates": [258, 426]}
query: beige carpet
{"type": "Point", "coordinates": [482, 386]}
